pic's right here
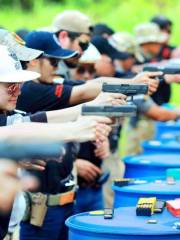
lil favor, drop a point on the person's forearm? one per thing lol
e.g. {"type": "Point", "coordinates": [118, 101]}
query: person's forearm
{"type": "Point", "coordinates": [37, 131]}
{"type": "Point", "coordinates": [112, 80]}
{"type": "Point", "coordinates": [161, 114]}
{"type": "Point", "coordinates": [86, 92]}
{"type": "Point", "coordinates": [64, 115]}
{"type": "Point", "coordinates": [90, 90]}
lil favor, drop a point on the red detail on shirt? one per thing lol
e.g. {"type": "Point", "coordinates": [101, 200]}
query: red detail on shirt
{"type": "Point", "coordinates": [58, 90]}
{"type": "Point", "coordinates": [166, 53]}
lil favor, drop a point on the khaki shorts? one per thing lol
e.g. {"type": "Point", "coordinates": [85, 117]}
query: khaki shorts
{"type": "Point", "coordinates": [116, 167]}
{"type": "Point", "coordinates": [135, 136]}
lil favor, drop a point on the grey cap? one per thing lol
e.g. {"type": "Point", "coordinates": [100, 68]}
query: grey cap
{"type": "Point", "coordinates": [72, 20]}
{"type": "Point", "coordinates": [14, 42]}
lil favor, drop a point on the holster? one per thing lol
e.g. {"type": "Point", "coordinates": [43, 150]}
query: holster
{"type": "Point", "coordinates": [38, 209]}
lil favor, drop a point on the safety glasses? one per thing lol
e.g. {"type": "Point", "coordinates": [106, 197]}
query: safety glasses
{"type": "Point", "coordinates": [84, 69]}
{"type": "Point", "coordinates": [12, 88]}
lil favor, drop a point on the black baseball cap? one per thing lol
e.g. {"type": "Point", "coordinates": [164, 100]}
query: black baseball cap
{"type": "Point", "coordinates": [47, 42]}
{"type": "Point", "coordinates": [162, 21]}
{"type": "Point", "coordinates": [102, 28]}
{"type": "Point", "coordinates": [104, 47]}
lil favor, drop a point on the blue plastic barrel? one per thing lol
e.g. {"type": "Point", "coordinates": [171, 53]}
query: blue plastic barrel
{"type": "Point", "coordinates": [124, 226]}
{"type": "Point", "coordinates": [149, 165]}
{"type": "Point", "coordinates": [162, 146]}
{"type": "Point", "coordinates": [128, 195]}
{"type": "Point", "coordinates": [168, 130]}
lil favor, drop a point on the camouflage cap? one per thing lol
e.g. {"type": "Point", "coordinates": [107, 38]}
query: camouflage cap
{"type": "Point", "coordinates": [14, 42]}
{"type": "Point", "coordinates": [126, 42]}
{"type": "Point", "coordinates": [72, 20]}
{"type": "Point", "coordinates": [149, 32]}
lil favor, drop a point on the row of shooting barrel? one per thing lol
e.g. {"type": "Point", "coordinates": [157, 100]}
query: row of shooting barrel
{"type": "Point", "coordinates": [156, 169]}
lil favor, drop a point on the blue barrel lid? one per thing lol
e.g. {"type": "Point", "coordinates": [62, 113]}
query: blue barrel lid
{"type": "Point", "coordinates": [169, 125]}
{"type": "Point", "coordinates": [162, 145]}
{"type": "Point", "coordinates": [163, 160]}
{"type": "Point", "coordinates": [124, 222]}
{"type": "Point", "coordinates": [151, 188]}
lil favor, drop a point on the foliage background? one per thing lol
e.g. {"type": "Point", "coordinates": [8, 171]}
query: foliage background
{"type": "Point", "coordinates": [122, 15]}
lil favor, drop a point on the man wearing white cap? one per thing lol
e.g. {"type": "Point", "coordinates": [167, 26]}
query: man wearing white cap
{"type": "Point", "coordinates": [11, 78]}
{"type": "Point", "coordinates": [86, 67]}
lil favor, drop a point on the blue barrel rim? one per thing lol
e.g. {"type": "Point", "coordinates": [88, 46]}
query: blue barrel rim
{"type": "Point", "coordinates": [96, 229]}
{"type": "Point", "coordinates": [163, 144]}
{"type": "Point", "coordinates": [144, 160]}
{"type": "Point", "coordinates": [129, 189]}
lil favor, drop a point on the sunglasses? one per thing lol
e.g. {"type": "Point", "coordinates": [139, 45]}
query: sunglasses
{"type": "Point", "coordinates": [13, 88]}
{"type": "Point", "coordinates": [82, 69]}
{"type": "Point", "coordinates": [54, 62]}
{"type": "Point", "coordinates": [84, 45]}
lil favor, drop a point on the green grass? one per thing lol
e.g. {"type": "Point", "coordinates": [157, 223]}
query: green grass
{"type": "Point", "coordinates": [122, 15]}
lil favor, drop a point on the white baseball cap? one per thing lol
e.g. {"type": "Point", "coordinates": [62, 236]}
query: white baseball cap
{"type": "Point", "coordinates": [10, 68]}
{"type": "Point", "coordinates": [91, 55]}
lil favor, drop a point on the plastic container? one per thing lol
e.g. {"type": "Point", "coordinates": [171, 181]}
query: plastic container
{"type": "Point", "coordinates": [124, 226]}
{"type": "Point", "coordinates": [168, 130]}
{"type": "Point", "coordinates": [150, 165]}
{"type": "Point", "coordinates": [128, 195]}
{"type": "Point", "coordinates": [155, 146]}
{"type": "Point", "coordinates": [173, 172]}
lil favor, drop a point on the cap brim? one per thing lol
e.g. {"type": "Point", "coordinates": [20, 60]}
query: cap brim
{"type": "Point", "coordinates": [22, 52]}
{"type": "Point", "coordinates": [62, 54]}
{"type": "Point", "coordinates": [26, 54]}
{"type": "Point", "coordinates": [19, 76]}
{"type": "Point", "coordinates": [150, 39]}
{"type": "Point", "coordinates": [120, 56]}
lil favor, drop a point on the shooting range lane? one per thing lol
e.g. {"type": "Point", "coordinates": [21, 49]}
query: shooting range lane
{"type": "Point", "coordinates": [124, 226]}
{"type": "Point", "coordinates": [128, 195]}
{"type": "Point", "coordinates": [169, 130]}
{"type": "Point", "coordinates": [155, 146]}
{"type": "Point", "coordinates": [148, 165]}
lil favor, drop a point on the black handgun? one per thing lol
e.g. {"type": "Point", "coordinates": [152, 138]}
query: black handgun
{"type": "Point", "coordinates": [30, 151]}
{"type": "Point", "coordinates": [127, 110]}
{"type": "Point", "coordinates": [126, 89]}
{"type": "Point", "coordinates": [169, 68]}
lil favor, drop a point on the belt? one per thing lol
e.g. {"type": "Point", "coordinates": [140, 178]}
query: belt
{"type": "Point", "coordinates": [43, 201]}
{"type": "Point", "coordinates": [59, 199]}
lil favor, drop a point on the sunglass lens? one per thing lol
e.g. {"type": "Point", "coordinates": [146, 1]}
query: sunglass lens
{"type": "Point", "coordinates": [84, 45]}
{"type": "Point", "coordinates": [54, 62]}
